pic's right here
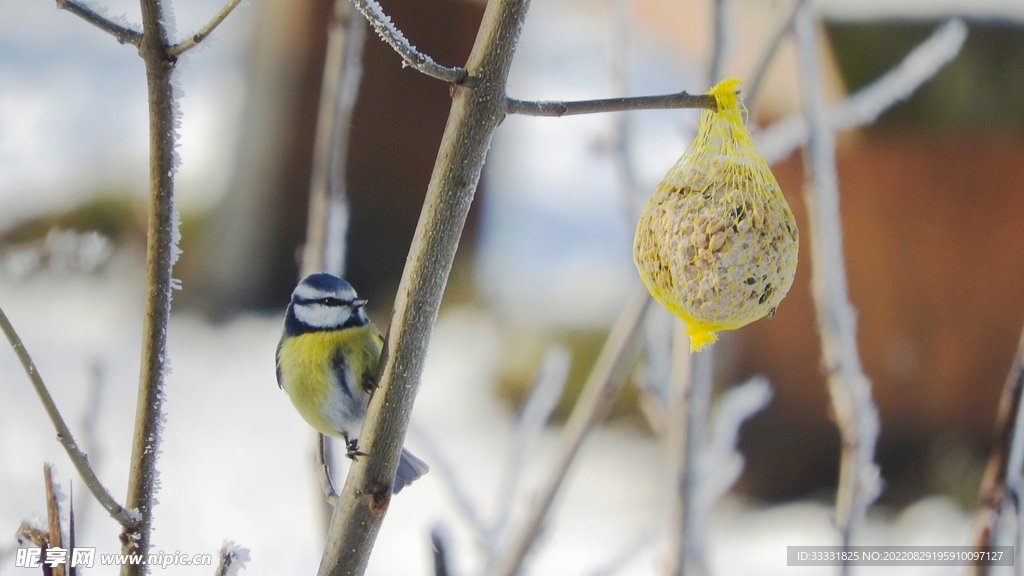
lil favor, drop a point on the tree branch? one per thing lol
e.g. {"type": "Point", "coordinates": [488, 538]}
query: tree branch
{"type": "Point", "coordinates": [160, 255]}
{"type": "Point", "coordinates": [323, 469]}
{"type": "Point", "coordinates": [781, 138]}
{"type": "Point", "coordinates": [719, 43]}
{"type": "Point", "coordinates": [327, 220]}
{"type": "Point", "coordinates": [599, 393]}
{"type": "Point", "coordinates": [64, 436]}
{"type": "Point", "coordinates": [121, 33]}
{"type": "Point", "coordinates": [475, 114]}
{"type": "Point", "coordinates": [571, 108]}
{"type": "Point", "coordinates": [849, 387]}
{"type": "Point", "coordinates": [757, 75]}
{"type": "Point", "coordinates": [1001, 472]}
{"type": "Point", "coordinates": [692, 381]}
{"type": "Point", "coordinates": [410, 55]}
{"type": "Point", "coordinates": [195, 39]}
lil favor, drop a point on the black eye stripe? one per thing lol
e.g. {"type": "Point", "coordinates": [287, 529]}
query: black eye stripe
{"type": "Point", "coordinates": [328, 301]}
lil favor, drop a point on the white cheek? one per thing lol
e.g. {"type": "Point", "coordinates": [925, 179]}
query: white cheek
{"type": "Point", "coordinates": [320, 316]}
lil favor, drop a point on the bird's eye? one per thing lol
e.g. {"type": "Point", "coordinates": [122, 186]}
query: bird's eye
{"type": "Point", "coordinates": [331, 302]}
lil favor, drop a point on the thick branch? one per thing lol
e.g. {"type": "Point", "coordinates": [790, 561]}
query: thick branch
{"type": "Point", "coordinates": [120, 33]}
{"type": "Point", "coordinates": [195, 39]}
{"type": "Point", "coordinates": [78, 458]}
{"type": "Point", "coordinates": [410, 55]}
{"type": "Point", "coordinates": [662, 102]}
{"type": "Point", "coordinates": [849, 387]}
{"type": "Point", "coordinates": [475, 114]}
{"type": "Point", "coordinates": [149, 415]}
{"type": "Point", "coordinates": [599, 393]}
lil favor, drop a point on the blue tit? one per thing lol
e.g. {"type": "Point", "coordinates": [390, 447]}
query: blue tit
{"type": "Point", "coordinates": [327, 363]}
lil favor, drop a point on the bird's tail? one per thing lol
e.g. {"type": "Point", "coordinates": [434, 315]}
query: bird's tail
{"type": "Point", "coordinates": [409, 469]}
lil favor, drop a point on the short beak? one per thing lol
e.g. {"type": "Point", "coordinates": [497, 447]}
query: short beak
{"type": "Point", "coordinates": [359, 302]}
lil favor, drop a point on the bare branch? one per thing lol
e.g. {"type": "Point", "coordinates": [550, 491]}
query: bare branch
{"type": "Point", "coordinates": [232, 559]}
{"type": "Point", "coordinates": [78, 458]}
{"type": "Point", "coordinates": [328, 215]}
{"type": "Point", "coordinates": [781, 138]}
{"type": "Point", "coordinates": [440, 465]}
{"type": "Point", "coordinates": [1003, 469]}
{"type": "Point", "coordinates": [849, 387]}
{"type": "Point", "coordinates": [688, 411]}
{"type": "Point", "coordinates": [602, 387]}
{"type": "Point", "coordinates": [195, 39]}
{"type": "Point", "coordinates": [475, 114]}
{"type": "Point", "coordinates": [439, 546]}
{"type": "Point", "coordinates": [544, 396]}
{"type": "Point", "coordinates": [121, 33]}
{"type": "Point", "coordinates": [572, 108]}
{"type": "Point", "coordinates": [161, 252]}
{"type": "Point", "coordinates": [54, 539]}
{"type": "Point", "coordinates": [323, 470]}
{"type": "Point", "coordinates": [410, 55]}
{"type": "Point", "coordinates": [769, 51]}
{"type": "Point", "coordinates": [719, 42]}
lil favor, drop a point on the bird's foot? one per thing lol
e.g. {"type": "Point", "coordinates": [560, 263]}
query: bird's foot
{"type": "Point", "coordinates": [352, 447]}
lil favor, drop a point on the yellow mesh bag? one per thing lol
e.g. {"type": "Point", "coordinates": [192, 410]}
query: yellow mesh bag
{"type": "Point", "coordinates": [717, 243]}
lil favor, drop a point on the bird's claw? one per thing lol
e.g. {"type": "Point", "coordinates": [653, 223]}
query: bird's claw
{"type": "Point", "coordinates": [352, 447]}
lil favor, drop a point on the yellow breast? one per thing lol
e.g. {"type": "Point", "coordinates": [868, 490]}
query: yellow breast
{"type": "Point", "coordinates": [315, 378]}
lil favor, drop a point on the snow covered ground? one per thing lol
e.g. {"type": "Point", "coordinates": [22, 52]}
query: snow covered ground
{"type": "Point", "coordinates": [236, 458]}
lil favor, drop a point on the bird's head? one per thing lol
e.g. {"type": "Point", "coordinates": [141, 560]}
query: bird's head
{"type": "Point", "coordinates": [324, 302]}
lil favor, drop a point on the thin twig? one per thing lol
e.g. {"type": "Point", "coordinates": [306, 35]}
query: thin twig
{"type": "Point", "coordinates": [327, 217]}
{"type": "Point", "coordinates": [849, 388]}
{"type": "Point", "coordinates": [412, 57]}
{"type": "Point", "coordinates": [439, 546]}
{"type": "Point", "coordinates": [327, 220]}
{"type": "Point", "coordinates": [718, 464]}
{"type": "Point", "coordinates": [756, 77]}
{"type": "Point", "coordinates": [475, 114]}
{"type": "Point", "coordinates": [547, 391]}
{"type": "Point", "coordinates": [571, 108]}
{"type": "Point", "coordinates": [440, 465]}
{"type": "Point", "coordinates": [90, 419]}
{"type": "Point", "coordinates": [78, 458]}
{"type": "Point", "coordinates": [618, 70]}
{"type": "Point", "coordinates": [781, 138]}
{"type": "Point", "coordinates": [54, 538]}
{"type": "Point", "coordinates": [194, 40]}
{"type": "Point", "coordinates": [719, 42]}
{"type": "Point", "coordinates": [602, 387]}
{"type": "Point", "coordinates": [232, 559]}
{"type": "Point", "coordinates": [72, 537]}
{"type": "Point", "coordinates": [691, 400]}
{"type": "Point", "coordinates": [323, 470]}
{"type": "Point", "coordinates": [121, 33]}
{"type": "Point", "coordinates": [1004, 466]}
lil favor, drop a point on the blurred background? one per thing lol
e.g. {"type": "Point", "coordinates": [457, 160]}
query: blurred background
{"type": "Point", "coordinates": [932, 196]}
